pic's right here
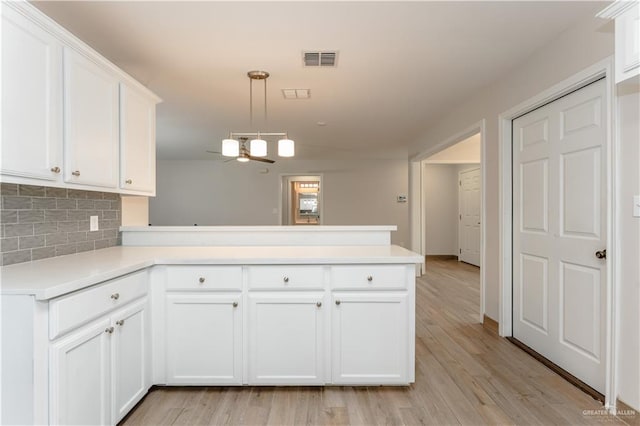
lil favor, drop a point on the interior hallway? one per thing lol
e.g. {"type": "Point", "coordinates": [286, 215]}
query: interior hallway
{"type": "Point", "coordinates": [465, 374]}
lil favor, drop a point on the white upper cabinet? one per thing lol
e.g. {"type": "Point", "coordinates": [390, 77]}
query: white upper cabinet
{"type": "Point", "coordinates": [31, 99]}
{"type": "Point", "coordinates": [137, 140]}
{"type": "Point", "coordinates": [627, 38]}
{"type": "Point", "coordinates": [90, 122]}
{"type": "Point", "coordinates": [62, 107]}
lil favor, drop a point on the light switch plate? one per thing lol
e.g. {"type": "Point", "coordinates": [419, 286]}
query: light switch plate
{"type": "Point", "coordinates": [636, 206]}
{"type": "Point", "coordinates": [93, 223]}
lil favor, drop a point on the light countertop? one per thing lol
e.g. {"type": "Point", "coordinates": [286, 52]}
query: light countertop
{"type": "Point", "coordinates": [49, 278]}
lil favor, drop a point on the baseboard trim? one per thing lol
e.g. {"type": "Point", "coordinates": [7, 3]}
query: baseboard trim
{"type": "Point", "coordinates": [490, 324]}
{"type": "Point", "coordinates": [559, 371]}
{"type": "Point", "coordinates": [627, 414]}
{"type": "Point", "coordinates": [441, 257]}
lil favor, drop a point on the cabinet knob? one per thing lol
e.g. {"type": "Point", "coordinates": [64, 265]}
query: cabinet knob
{"type": "Point", "coordinates": [201, 280]}
{"type": "Point", "coordinates": [285, 279]}
{"type": "Point", "coordinates": [370, 278]}
{"type": "Point", "coordinates": [338, 302]}
{"type": "Point", "coordinates": [76, 173]}
{"type": "Point", "coordinates": [319, 304]}
{"type": "Point", "coordinates": [55, 169]}
{"type": "Point", "coordinates": [128, 181]}
{"type": "Point", "coordinates": [115, 296]}
{"type": "Point", "coordinates": [235, 304]}
{"type": "Point", "coordinates": [120, 323]}
{"type": "Point", "coordinates": [108, 330]}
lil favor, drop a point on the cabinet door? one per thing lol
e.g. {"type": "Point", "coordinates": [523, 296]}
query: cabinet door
{"type": "Point", "coordinates": [90, 122]}
{"type": "Point", "coordinates": [137, 141]}
{"type": "Point", "coordinates": [204, 339]}
{"type": "Point", "coordinates": [129, 354]}
{"type": "Point", "coordinates": [370, 338]}
{"type": "Point", "coordinates": [79, 375]}
{"type": "Point", "coordinates": [31, 98]}
{"type": "Point", "coordinates": [286, 337]}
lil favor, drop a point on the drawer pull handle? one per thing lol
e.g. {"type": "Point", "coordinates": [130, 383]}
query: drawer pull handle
{"type": "Point", "coordinates": [76, 173]}
{"type": "Point", "coordinates": [235, 304]}
{"type": "Point", "coordinates": [338, 302]}
{"type": "Point", "coordinates": [120, 323]}
{"type": "Point", "coordinates": [370, 278]}
{"type": "Point", "coordinates": [109, 330]}
{"type": "Point", "coordinates": [128, 181]}
{"type": "Point", "coordinates": [285, 279]}
{"type": "Point", "coordinates": [115, 296]}
{"type": "Point", "coordinates": [55, 169]}
{"type": "Point", "coordinates": [201, 280]}
{"type": "Point", "coordinates": [319, 304]}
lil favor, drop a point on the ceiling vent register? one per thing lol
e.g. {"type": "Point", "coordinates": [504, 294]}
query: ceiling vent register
{"type": "Point", "coordinates": [320, 59]}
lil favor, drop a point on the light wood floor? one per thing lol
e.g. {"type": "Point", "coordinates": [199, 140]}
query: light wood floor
{"type": "Point", "coordinates": [464, 375]}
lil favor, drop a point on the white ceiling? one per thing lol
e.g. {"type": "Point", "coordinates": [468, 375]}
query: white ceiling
{"type": "Point", "coordinates": [401, 65]}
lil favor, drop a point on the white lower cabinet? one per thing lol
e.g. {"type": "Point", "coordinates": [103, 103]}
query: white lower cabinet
{"type": "Point", "coordinates": [370, 338]}
{"type": "Point", "coordinates": [130, 357]}
{"type": "Point", "coordinates": [204, 339]}
{"type": "Point", "coordinates": [286, 338]}
{"type": "Point", "coordinates": [79, 377]}
{"type": "Point", "coordinates": [99, 372]}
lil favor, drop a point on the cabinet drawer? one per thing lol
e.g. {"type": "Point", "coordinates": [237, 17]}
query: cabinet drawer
{"type": "Point", "coordinates": [75, 309]}
{"type": "Point", "coordinates": [286, 276]}
{"type": "Point", "coordinates": [204, 278]}
{"type": "Point", "coordinates": [377, 277]}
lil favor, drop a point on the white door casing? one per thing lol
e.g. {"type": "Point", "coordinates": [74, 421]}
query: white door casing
{"type": "Point", "coordinates": [559, 222]}
{"type": "Point", "coordinates": [469, 216]}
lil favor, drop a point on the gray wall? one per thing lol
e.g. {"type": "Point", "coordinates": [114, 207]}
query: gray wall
{"type": "Point", "coordinates": [355, 192]}
{"type": "Point", "coordinates": [440, 192]}
{"type": "Point", "coordinates": [38, 222]}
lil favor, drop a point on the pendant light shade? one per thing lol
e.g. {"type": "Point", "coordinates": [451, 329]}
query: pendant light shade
{"type": "Point", "coordinates": [258, 148]}
{"type": "Point", "coordinates": [230, 148]}
{"type": "Point", "coordinates": [286, 148]}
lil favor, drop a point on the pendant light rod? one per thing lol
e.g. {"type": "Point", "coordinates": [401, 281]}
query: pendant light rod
{"type": "Point", "coordinates": [232, 134]}
{"type": "Point", "coordinates": [257, 75]}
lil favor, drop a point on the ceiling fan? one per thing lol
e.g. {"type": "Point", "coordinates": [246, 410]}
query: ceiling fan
{"type": "Point", "coordinates": [244, 155]}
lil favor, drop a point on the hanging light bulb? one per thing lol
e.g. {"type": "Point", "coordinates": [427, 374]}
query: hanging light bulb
{"type": "Point", "coordinates": [286, 148]}
{"type": "Point", "coordinates": [230, 148]}
{"type": "Point", "coordinates": [258, 147]}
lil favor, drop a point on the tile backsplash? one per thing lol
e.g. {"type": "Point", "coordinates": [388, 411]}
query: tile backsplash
{"type": "Point", "coordinates": [38, 222]}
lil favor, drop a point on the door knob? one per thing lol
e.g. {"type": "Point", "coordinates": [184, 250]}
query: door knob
{"type": "Point", "coordinates": [601, 254]}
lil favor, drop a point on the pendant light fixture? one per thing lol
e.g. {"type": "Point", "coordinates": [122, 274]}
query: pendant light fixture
{"type": "Point", "coordinates": [257, 145]}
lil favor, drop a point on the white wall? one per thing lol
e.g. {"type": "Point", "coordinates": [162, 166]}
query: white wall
{"type": "Point", "coordinates": [355, 192]}
{"type": "Point", "coordinates": [583, 45]}
{"type": "Point", "coordinates": [440, 186]}
{"type": "Point", "coordinates": [629, 256]}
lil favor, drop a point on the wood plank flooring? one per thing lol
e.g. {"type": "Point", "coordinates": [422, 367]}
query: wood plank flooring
{"type": "Point", "coordinates": [465, 374]}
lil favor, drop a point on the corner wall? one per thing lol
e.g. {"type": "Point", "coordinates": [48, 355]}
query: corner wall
{"type": "Point", "coordinates": [583, 45]}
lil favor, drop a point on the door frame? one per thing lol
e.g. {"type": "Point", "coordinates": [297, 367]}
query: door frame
{"type": "Point", "coordinates": [460, 204]}
{"type": "Point", "coordinates": [595, 72]}
{"type": "Point", "coordinates": [417, 208]}
{"type": "Point", "coordinates": [286, 192]}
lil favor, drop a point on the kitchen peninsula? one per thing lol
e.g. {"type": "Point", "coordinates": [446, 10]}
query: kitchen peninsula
{"type": "Point", "coordinates": [204, 306]}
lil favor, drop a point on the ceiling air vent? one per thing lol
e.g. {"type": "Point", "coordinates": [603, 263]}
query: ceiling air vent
{"type": "Point", "coordinates": [320, 59]}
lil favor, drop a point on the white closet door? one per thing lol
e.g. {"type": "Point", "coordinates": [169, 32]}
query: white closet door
{"type": "Point", "coordinates": [469, 218]}
{"type": "Point", "coordinates": [559, 223]}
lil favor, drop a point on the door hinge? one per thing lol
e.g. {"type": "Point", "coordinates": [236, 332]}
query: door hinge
{"type": "Point", "coordinates": [460, 182]}
{"type": "Point", "coordinates": [460, 217]}
{"type": "Point", "coordinates": [460, 251]}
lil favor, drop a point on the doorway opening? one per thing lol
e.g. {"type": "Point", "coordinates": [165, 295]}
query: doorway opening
{"type": "Point", "coordinates": [451, 209]}
{"type": "Point", "coordinates": [301, 200]}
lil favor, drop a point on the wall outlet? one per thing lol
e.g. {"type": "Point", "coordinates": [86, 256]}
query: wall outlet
{"type": "Point", "coordinates": [93, 223]}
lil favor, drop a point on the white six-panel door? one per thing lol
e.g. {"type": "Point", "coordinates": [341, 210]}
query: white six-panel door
{"type": "Point", "coordinates": [469, 216]}
{"type": "Point", "coordinates": [559, 222]}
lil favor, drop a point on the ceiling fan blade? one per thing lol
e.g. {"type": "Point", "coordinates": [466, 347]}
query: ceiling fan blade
{"type": "Point", "coordinates": [213, 152]}
{"type": "Point", "coordinates": [264, 160]}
